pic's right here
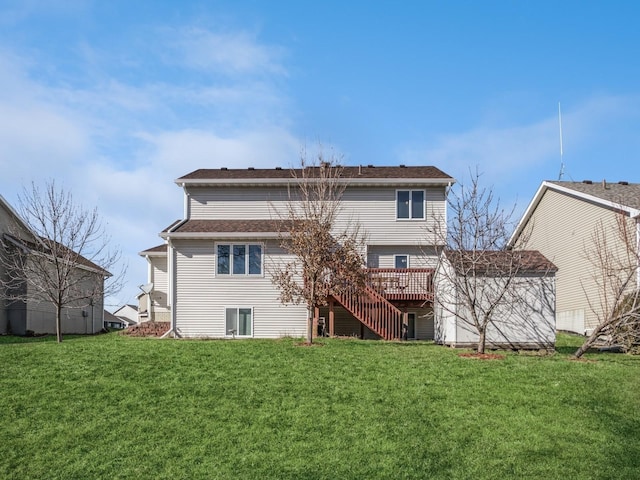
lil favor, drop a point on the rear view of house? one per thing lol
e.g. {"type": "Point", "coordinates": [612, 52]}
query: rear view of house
{"type": "Point", "coordinates": [212, 276]}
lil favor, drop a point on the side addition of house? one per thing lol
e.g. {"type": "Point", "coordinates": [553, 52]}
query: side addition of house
{"type": "Point", "coordinates": [212, 278]}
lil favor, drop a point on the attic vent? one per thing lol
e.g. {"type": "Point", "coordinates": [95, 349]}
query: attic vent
{"type": "Point", "coordinates": [587, 182]}
{"type": "Point", "coordinates": [278, 168]}
{"type": "Point", "coordinates": [251, 168]}
{"type": "Point", "coordinates": [402, 165]}
{"type": "Point", "coordinates": [224, 168]}
{"type": "Point", "coordinates": [623, 183]}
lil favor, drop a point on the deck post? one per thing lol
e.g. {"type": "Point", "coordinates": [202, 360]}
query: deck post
{"type": "Point", "coordinates": [405, 323]}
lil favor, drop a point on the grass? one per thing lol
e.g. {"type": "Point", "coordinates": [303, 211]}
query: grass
{"type": "Point", "coordinates": [116, 407]}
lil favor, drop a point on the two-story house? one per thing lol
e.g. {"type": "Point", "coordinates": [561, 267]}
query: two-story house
{"type": "Point", "coordinates": [561, 221]}
{"type": "Point", "coordinates": [25, 309]}
{"type": "Point", "coordinates": [212, 276]}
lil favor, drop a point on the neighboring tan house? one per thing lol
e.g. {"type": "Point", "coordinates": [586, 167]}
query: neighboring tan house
{"type": "Point", "coordinates": [153, 300]}
{"type": "Point", "coordinates": [212, 275]}
{"type": "Point", "coordinates": [524, 311]}
{"type": "Point", "coordinates": [38, 317]}
{"type": "Point", "coordinates": [561, 220]}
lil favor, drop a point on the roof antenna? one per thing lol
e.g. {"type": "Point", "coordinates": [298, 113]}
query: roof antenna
{"type": "Point", "coordinates": [561, 152]}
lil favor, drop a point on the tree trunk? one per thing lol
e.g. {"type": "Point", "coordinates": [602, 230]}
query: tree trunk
{"type": "Point", "coordinates": [310, 324]}
{"type": "Point", "coordinates": [58, 324]}
{"type": "Point", "coordinates": [482, 338]}
{"type": "Point", "coordinates": [588, 342]}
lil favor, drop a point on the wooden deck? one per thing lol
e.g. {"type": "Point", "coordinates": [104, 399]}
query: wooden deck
{"type": "Point", "coordinates": [402, 284]}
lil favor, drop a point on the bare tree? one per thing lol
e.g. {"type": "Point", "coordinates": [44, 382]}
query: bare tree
{"type": "Point", "coordinates": [329, 260]}
{"type": "Point", "coordinates": [613, 252]}
{"type": "Point", "coordinates": [58, 254]}
{"type": "Point", "coordinates": [479, 276]}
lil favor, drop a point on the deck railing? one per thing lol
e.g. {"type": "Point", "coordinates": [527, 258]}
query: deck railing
{"type": "Point", "coordinates": [402, 283]}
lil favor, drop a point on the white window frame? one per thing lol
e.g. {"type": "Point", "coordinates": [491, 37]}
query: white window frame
{"type": "Point", "coordinates": [230, 334]}
{"type": "Point", "coordinates": [424, 204]}
{"type": "Point", "coordinates": [395, 257]}
{"type": "Point", "coordinates": [247, 257]}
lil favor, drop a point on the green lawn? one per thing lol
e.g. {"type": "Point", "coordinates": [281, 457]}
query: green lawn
{"type": "Point", "coordinates": [117, 407]}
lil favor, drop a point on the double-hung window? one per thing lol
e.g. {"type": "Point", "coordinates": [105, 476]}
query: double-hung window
{"type": "Point", "coordinates": [239, 259]}
{"type": "Point", "coordinates": [239, 322]}
{"type": "Point", "coordinates": [410, 204]}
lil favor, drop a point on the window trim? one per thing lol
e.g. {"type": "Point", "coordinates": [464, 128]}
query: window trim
{"type": "Point", "coordinates": [237, 309]}
{"type": "Point", "coordinates": [247, 260]}
{"type": "Point", "coordinates": [424, 204]}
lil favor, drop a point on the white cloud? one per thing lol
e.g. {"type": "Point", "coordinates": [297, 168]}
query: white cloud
{"type": "Point", "coordinates": [505, 153]}
{"type": "Point", "coordinates": [229, 53]}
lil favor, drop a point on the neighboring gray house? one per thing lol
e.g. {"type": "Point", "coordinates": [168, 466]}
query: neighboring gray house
{"type": "Point", "coordinates": [38, 317]}
{"type": "Point", "coordinates": [111, 321]}
{"type": "Point", "coordinates": [524, 315]}
{"type": "Point", "coordinates": [214, 269]}
{"type": "Point", "coordinates": [561, 220]}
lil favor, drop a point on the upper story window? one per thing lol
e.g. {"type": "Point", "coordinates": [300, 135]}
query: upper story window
{"type": "Point", "coordinates": [239, 259]}
{"type": "Point", "coordinates": [410, 204]}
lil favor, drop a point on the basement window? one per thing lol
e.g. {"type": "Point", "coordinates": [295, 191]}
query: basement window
{"type": "Point", "coordinates": [239, 322]}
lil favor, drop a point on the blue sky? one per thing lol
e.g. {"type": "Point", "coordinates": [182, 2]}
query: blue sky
{"type": "Point", "coordinates": [116, 99]}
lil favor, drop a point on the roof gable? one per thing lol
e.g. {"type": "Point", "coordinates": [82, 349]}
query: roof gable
{"type": "Point", "coordinates": [621, 196]}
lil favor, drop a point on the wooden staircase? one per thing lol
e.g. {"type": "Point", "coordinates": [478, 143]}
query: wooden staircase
{"type": "Point", "coordinates": [374, 311]}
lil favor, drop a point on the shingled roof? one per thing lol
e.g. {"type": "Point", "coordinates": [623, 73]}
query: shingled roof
{"type": "Point", "coordinates": [621, 193]}
{"type": "Point", "coordinates": [370, 172]}
{"type": "Point", "coordinates": [157, 250]}
{"type": "Point", "coordinates": [496, 262]}
{"type": "Point", "coordinates": [227, 227]}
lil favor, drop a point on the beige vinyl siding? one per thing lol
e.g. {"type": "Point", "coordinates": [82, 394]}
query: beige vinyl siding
{"type": "Point", "coordinates": [236, 203]}
{"type": "Point", "coordinates": [562, 230]}
{"type": "Point", "coordinates": [159, 278]}
{"type": "Point", "coordinates": [373, 208]}
{"type": "Point", "coordinates": [201, 297]}
{"type": "Point", "coordinates": [383, 256]}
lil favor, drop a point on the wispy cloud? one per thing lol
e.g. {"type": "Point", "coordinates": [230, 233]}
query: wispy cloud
{"type": "Point", "coordinates": [505, 153]}
{"type": "Point", "coordinates": [232, 53]}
